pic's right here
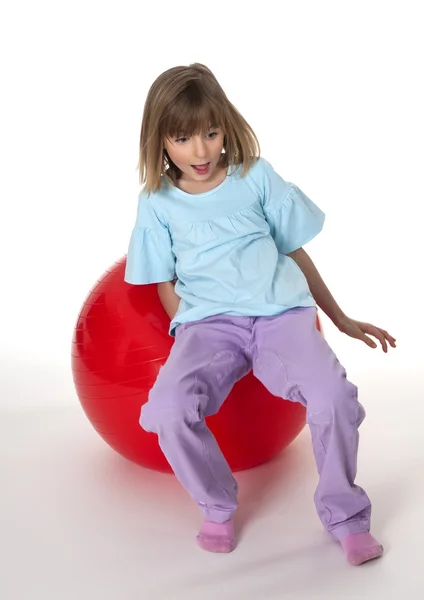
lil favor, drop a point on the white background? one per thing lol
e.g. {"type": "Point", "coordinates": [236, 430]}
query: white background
{"type": "Point", "coordinates": [334, 92]}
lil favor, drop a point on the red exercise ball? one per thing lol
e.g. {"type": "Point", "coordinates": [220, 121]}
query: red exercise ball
{"type": "Point", "coordinates": [120, 342]}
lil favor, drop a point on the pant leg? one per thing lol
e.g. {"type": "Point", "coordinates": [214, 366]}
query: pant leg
{"type": "Point", "coordinates": [206, 360]}
{"type": "Point", "coordinates": [293, 360]}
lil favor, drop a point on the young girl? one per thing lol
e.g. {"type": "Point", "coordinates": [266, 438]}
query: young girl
{"type": "Point", "coordinates": [221, 233]}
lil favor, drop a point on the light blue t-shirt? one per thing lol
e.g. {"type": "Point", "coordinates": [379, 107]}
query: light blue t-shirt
{"type": "Point", "coordinates": [227, 246]}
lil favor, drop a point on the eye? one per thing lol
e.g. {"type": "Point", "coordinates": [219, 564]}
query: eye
{"type": "Point", "coordinates": [182, 138]}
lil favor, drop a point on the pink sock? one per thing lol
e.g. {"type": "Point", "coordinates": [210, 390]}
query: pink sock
{"type": "Point", "coordinates": [361, 547]}
{"type": "Point", "coordinates": [217, 537]}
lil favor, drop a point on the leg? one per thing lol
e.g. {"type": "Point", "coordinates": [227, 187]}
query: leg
{"type": "Point", "coordinates": [293, 360]}
{"type": "Point", "coordinates": [205, 362]}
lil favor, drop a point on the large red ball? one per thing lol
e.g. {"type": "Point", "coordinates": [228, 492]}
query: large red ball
{"type": "Point", "coordinates": [120, 342]}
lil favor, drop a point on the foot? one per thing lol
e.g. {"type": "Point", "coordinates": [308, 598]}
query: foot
{"type": "Point", "coordinates": [360, 548]}
{"type": "Point", "coordinates": [217, 537]}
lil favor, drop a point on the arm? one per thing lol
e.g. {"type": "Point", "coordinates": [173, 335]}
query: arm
{"type": "Point", "coordinates": [168, 297]}
{"type": "Point", "coordinates": [319, 290]}
{"type": "Point", "coordinates": [329, 306]}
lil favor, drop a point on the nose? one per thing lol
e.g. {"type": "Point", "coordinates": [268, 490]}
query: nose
{"type": "Point", "coordinates": [199, 148]}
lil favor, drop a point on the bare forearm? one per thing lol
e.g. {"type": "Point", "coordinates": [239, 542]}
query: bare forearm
{"type": "Point", "coordinates": [319, 290]}
{"type": "Point", "coordinates": [168, 297]}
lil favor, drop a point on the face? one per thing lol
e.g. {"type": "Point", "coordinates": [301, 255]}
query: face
{"type": "Point", "coordinates": [201, 151]}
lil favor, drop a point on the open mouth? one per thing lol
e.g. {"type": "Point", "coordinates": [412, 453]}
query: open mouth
{"type": "Point", "coordinates": [201, 169]}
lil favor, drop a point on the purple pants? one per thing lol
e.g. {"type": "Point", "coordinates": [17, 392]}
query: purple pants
{"type": "Point", "coordinates": [292, 359]}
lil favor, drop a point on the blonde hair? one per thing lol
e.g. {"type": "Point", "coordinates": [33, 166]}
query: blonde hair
{"type": "Point", "coordinates": [189, 100]}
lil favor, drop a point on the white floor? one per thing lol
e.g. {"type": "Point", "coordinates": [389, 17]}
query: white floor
{"type": "Point", "coordinates": [79, 521]}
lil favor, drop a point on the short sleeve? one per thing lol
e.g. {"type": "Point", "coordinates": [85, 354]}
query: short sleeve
{"type": "Point", "coordinates": [150, 258]}
{"type": "Point", "coordinates": [293, 218]}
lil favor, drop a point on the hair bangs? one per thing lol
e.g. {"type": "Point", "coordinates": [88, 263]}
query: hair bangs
{"type": "Point", "coordinates": [190, 115]}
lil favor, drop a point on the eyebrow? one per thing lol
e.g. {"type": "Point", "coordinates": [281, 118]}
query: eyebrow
{"type": "Point", "coordinates": [181, 134]}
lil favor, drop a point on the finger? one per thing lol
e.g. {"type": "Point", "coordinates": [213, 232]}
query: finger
{"type": "Point", "coordinates": [358, 332]}
{"type": "Point", "coordinates": [386, 336]}
{"type": "Point", "coordinates": [389, 338]}
{"type": "Point", "coordinates": [369, 342]}
{"type": "Point", "coordinates": [381, 339]}
{"type": "Point", "coordinates": [374, 331]}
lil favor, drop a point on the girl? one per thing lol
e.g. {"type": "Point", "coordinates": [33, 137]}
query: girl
{"type": "Point", "coordinates": [221, 233]}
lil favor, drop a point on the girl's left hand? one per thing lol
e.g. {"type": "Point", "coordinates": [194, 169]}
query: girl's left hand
{"type": "Point", "coordinates": [357, 329]}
